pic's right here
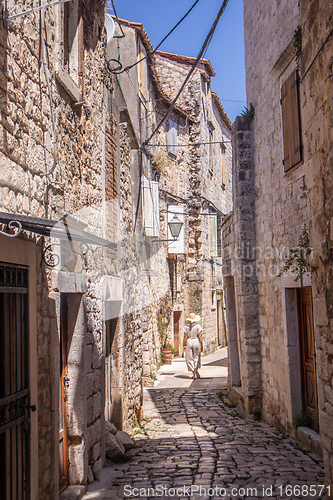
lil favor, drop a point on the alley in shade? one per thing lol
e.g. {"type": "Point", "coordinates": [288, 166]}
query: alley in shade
{"type": "Point", "coordinates": [193, 444]}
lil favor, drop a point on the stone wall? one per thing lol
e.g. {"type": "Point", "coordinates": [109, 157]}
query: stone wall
{"type": "Point", "coordinates": [240, 272]}
{"type": "Point", "coordinates": [285, 201]}
{"type": "Point", "coordinates": [317, 121]}
{"type": "Point", "coordinates": [91, 180]}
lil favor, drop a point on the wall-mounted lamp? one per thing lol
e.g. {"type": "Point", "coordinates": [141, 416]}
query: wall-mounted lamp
{"type": "Point", "coordinates": [175, 226]}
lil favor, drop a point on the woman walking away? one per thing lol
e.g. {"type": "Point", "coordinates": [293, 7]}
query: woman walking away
{"type": "Point", "coordinates": [193, 343]}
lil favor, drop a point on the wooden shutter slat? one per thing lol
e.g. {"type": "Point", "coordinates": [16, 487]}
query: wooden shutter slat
{"type": "Point", "coordinates": [291, 122]}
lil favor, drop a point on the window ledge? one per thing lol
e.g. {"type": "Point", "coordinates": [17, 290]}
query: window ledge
{"type": "Point", "coordinates": [69, 85]}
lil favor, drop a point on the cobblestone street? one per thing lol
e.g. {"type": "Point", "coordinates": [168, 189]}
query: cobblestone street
{"type": "Point", "coordinates": [192, 444]}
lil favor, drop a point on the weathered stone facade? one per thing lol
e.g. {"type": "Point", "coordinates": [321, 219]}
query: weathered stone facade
{"type": "Point", "coordinates": [185, 160]}
{"type": "Point", "coordinates": [204, 182]}
{"type": "Point", "coordinates": [279, 205]}
{"type": "Point", "coordinates": [65, 153]}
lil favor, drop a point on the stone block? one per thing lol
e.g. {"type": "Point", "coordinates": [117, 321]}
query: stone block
{"type": "Point", "coordinates": [125, 440]}
{"type": "Point", "coordinates": [112, 446]}
{"type": "Point", "coordinates": [109, 427]}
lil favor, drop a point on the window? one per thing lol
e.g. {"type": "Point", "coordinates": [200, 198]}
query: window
{"type": "Point", "coordinates": [213, 235]}
{"type": "Point", "coordinates": [216, 235]}
{"type": "Point", "coordinates": [142, 70]}
{"type": "Point", "coordinates": [172, 137]}
{"type": "Point", "coordinates": [219, 235]}
{"type": "Point", "coordinates": [72, 39]}
{"type": "Point", "coordinates": [69, 72]}
{"type": "Point", "coordinates": [291, 122]}
{"type": "Point", "coordinates": [210, 149]}
{"type": "Point", "coordinates": [223, 149]}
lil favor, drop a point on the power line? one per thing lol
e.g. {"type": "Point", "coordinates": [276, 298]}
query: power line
{"type": "Point", "coordinates": [186, 145]}
{"type": "Point", "coordinates": [121, 29]}
{"type": "Point", "coordinates": [121, 70]}
{"type": "Point", "coordinates": [232, 100]}
{"type": "Point", "coordinates": [194, 65]}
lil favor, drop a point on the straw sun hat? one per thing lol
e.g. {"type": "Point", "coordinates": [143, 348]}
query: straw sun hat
{"type": "Point", "coordinates": [193, 318]}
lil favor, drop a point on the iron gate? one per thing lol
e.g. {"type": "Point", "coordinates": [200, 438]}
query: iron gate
{"type": "Point", "coordinates": [14, 383]}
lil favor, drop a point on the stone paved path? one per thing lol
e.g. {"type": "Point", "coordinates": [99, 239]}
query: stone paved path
{"type": "Point", "coordinates": [193, 445]}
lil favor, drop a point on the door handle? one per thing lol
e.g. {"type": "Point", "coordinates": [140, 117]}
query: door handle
{"type": "Point", "coordinates": [66, 379]}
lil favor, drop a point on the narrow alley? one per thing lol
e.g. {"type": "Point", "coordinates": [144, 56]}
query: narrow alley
{"type": "Point", "coordinates": [193, 444]}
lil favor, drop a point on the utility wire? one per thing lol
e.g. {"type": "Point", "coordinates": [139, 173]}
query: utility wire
{"type": "Point", "coordinates": [194, 65]}
{"type": "Point", "coordinates": [186, 145]}
{"type": "Point", "coordinates": [121, 70]}
{"type": "Point", "coordinates": [121, 29]}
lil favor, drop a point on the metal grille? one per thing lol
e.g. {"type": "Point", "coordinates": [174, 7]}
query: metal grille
{"type": "Point", "coordinates": [13, 279]}
{"type": "Point", "coordinates": [14, 383]}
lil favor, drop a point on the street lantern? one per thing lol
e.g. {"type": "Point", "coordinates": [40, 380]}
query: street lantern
{"type": "Point", "coordinates": [175, 226]}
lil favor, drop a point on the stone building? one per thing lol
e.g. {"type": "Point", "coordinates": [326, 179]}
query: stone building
{"type": "Point", "coordinates": [277, 242]}
{"type": "Point", "coordinates": [186, 171]}
{"type": "Point", "coordinates": [74, 320]}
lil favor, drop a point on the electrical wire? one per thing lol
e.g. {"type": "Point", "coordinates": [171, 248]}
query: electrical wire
{"type": "Point", "coordinates": [121, 70]}
{"type": "Point", "coordinates": [186, 145]}
{"type": "Point", "coordinates": [194, 65]}
{"type": "Point", "coordinates": [121, 29]}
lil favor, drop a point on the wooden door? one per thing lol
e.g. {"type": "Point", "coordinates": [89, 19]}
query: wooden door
{"type": "Point", "coordinates": [308, 356]}
{"type": "Point", "coordinates": [176, 336]}
{"type": "Point", "coordinates": [63, 396]}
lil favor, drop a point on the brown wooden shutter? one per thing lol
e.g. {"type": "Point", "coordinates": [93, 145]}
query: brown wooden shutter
{"type": "Point", "coordinates": [291, 122]}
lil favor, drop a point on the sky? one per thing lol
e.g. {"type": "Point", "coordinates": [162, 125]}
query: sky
{"type": "Point", "coordinates": [226, 51]}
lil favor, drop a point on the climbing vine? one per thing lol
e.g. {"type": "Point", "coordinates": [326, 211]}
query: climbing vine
{"type": "Point", "coordinates": [297, 260]}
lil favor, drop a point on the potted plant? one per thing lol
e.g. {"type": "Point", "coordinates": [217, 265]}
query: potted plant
{"type": "Point", "coordinates": [166, 347]}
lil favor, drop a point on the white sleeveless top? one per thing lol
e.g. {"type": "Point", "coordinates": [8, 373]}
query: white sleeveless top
{"type": "Point", "coordinates": [192, 332]}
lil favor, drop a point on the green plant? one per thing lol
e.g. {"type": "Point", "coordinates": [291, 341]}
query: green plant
{"type": "Point", "coordinates": [159, 364]}
{"type": "Point", "coordinates": [144, 230]}
{"type": "Point", "coordinates": [162, 326]}
{"type": "Point", "coordinates": [249, 112]}
{"type": "Point", "coordinates": [301, 420]}
{"type": "Point", "coordinates": [152, 376]}
{"type": "Point", "coordinates": [197, 291]}
{"type": "Point", "coordinates": [297, 260]}
{"type": "Point", "coordinates": [136, 432]}
{"type": "Point", "coordinates": [170, 346]}
{"type": "Point", "coordinates": [297, 43]}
